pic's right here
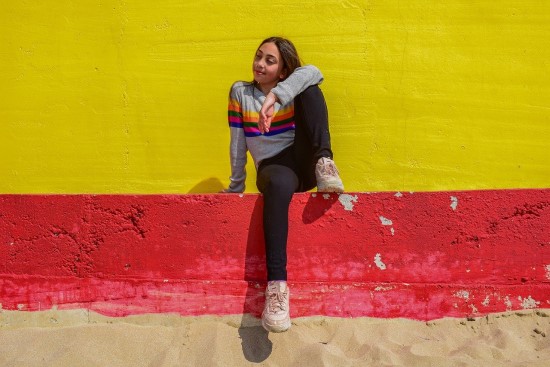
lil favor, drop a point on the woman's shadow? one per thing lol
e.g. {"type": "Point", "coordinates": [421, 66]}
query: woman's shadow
{"type": "Point", "coordinates": [254, 338]}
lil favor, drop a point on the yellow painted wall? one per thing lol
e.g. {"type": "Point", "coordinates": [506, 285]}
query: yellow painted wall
{"type": "Point", "coordinates": [130, 96]}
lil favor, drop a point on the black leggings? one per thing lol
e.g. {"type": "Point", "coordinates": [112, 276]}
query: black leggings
{"type": "Point", "coordinates": [292, 170]}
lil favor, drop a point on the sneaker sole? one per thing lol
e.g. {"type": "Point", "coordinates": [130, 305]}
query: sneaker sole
{"type": "Point", "coordinates": [339, 188]}
{"type": "Point", "coordinates": [277, 329]}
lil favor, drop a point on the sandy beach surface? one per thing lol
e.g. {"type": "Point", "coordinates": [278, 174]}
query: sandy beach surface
{"type": "Point", "coordinates": [84, 338]}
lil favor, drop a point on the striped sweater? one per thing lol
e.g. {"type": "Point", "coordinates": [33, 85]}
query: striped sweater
{"type": "Point", "coordinates": [245, 103]}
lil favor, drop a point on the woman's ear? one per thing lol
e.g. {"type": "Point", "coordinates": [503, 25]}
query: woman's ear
{"type": "Point", "coordinates": [283, 74]}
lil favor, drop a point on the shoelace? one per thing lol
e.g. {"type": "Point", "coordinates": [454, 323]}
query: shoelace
{"type": "Point", "coordinates": [276, 301]}
{"type": "Point", "coordinates": [328, 168]}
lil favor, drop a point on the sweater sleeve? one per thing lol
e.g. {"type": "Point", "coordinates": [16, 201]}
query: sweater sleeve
{"type": "Point", "coordinates": [237, 146]}
{"type": "Point", "coordinates": [302, 78]}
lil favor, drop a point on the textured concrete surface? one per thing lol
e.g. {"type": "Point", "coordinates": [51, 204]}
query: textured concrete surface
{"type": "Point", "coordinates": [417, 255]}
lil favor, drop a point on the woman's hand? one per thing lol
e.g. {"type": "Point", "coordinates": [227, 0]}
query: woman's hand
{"type": "Point", "coordinates": [266, 113]}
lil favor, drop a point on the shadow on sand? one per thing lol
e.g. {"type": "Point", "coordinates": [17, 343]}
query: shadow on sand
{"type": "Point", "coordinates": [254, 338]}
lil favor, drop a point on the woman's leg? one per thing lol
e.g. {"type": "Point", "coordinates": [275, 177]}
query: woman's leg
{"type": "Point", "coordinates": [277, 183]}
{"type": "Point", "coordinates": [312, 143]}
{"type": "Point", "coordinates": [277, 180]}
{"type": "Point", "coordinates": [311, 115]}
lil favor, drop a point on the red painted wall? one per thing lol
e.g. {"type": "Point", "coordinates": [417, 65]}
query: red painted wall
{"type": "Point", "coordinates": [415, 255]}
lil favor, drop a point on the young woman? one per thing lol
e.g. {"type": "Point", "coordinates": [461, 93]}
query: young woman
{"type": "Point", "coordinates": [281, 119]}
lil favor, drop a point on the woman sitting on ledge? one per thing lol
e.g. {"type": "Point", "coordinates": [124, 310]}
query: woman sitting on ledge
{"type": "Point", "coordinates": [281, 118]}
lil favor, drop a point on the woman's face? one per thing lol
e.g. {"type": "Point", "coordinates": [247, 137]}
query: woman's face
{"type": "Point", "coordinates": [268, 66]}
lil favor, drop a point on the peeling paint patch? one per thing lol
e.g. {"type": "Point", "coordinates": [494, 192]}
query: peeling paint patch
{"type": "Point", "coordinates": [378, 262]}
{"type": "Point", "coordinates": [508, 303]}
{"type": "Point", "coordinates": [327, 196]}
{"type": "Point", "coordinates": [454, 202]}
{"type": "Point", "coordinates": [474, 309]}
{"type": "Point", "coordinates": [486, 301]}
{"type": "Point", "coordinates": [385, 221]}
{"type": "Point", "coordinates": [398, 195]}
{"type": "Point", "coordinates": [547, 272]}
{"type": "Point", "coordinates": [347, 200]}
{"type": "Point", "coordinates": [528, 302]}
{"type": "Point", "coordinates": [465, 295]}
{"type": "Point", "coordinates": [382, 288]}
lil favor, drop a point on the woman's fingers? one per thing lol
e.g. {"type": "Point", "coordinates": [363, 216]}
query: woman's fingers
{"type": "Point", "coordinates": [266, 113]}
{"type": "Point", "coordinates": [266, 116]}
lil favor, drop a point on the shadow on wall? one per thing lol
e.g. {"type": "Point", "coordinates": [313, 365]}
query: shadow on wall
{"type": "Point", "coordinates": [209, 186]}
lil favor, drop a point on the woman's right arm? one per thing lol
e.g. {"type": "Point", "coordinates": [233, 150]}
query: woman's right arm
{"type": "Point", "coordinates": [237, 146]}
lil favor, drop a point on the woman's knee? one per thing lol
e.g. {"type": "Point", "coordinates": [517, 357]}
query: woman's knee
{"type": "Point", "coordinates": [312, 94]}
{"type": "Point", "coordinates": [272, 180]}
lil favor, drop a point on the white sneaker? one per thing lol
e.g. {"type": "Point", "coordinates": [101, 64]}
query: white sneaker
{"type": "Point", "coordinates": [328, 179]}
{"type": "Point", "coordinates": [276, 315]}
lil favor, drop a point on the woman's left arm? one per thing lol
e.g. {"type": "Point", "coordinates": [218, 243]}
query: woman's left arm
{"type": "Point", "coordinates": [297, 82]}
{"type": "Point", "coordinates": [285, 91]}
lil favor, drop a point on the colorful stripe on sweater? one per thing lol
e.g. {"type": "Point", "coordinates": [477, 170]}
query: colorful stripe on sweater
{"type": "Point", "coordinates": [283, 120]}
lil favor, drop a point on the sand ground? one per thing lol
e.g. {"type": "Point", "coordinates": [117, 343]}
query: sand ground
{"type": "Point", "coordinates": [84, 338]}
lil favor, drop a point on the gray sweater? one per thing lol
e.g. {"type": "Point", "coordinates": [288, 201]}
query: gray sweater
{"type": "Point", "coordinates": [245, 103]}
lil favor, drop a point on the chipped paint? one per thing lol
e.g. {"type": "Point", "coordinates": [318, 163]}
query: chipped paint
{"type": "Point", "coordinates": [454, 202]}
{"type": "Point", "coordinates": [378, 262]}
{"type": "Point", "coordinates": [528, 302]}
{"type": "Point", "coordinates": [384, 288]}
{"type": "Point", "coordinates": [547, 267]}
{"type": "Point", "coordinates": [486, 301]}
{"type": "Point", "coordinates": [385, 221]}
{"type": "Point", "coordinates": [474, 309]}
{"type": "Point", "coordinates": [464, 294]}
{"type": "Point", "coordinates": [398, 195]}
{"type": "Point", "coordinates": [327, 196]}
{"type": "Point", "coordinates": [508, 303]}
{"type": "Point", "coordinates": [347, 200]}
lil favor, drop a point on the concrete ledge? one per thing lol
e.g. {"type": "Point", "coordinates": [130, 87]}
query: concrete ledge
{"type": "Point", "coordinates": [415, 255]}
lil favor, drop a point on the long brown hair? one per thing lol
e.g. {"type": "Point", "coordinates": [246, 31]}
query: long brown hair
{"type": "Point", "coordinates": [288, 52]}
